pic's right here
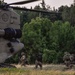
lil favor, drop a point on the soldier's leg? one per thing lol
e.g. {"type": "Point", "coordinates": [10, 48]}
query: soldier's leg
{"type": "Point", "coordinates": [19, 61]}
{"type": "Point", "coordinates": [68, 64]}
{"type": "Point", "coordinates": [22, 63]}
{"type": "Point", "coordinates": [40, 64]}
{"type": "Point", "coordinates": [71, 64]}
{"type": "Point", "coordinates": [36, 64]}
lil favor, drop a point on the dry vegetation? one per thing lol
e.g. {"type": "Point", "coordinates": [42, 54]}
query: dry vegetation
{"type": "Point", "coordinates": [29, 70]}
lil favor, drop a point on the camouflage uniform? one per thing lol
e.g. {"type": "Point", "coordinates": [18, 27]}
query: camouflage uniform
{"type": "Point", "coordinates": [23, 59]}
{"type": "Point", "coordinates": [68, 58]}
{"type": "Point", "coordinates": [38, 61]}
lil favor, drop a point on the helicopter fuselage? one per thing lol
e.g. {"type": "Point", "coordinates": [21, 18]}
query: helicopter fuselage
{"type": "Point", "coordinates": [10, 33]}
{"type": "Point", "coordinates": [9, 18]}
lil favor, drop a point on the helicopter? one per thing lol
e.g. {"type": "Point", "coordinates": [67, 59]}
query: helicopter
{"type": "Point", "coordinates": [10, 32]}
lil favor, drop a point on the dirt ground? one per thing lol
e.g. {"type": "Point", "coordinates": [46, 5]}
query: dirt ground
{"type": "Point", "coordinates": [60, 67]}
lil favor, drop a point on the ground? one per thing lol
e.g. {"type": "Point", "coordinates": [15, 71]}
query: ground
{"type": "Point", "coordinates": [49, 69]}
{"type": "Point", "coordinates": [60, 67]}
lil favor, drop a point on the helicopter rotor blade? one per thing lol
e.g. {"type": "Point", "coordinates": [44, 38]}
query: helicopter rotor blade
{"type": "Point", "coordinates": [34, 10]}
{"type": "Point", "coordinates": [23, 2]}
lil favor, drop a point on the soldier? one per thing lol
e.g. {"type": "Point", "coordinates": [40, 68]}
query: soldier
{"type": "Point", "coordinates": [38, 61]}
{"type": "Point", "coordinates": [23, 59]}
{"type": "Point", "coordinates": [67, 59]}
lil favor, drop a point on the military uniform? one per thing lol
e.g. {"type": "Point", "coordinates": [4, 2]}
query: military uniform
{"type": "Point", "coordinates": [38, 61]}
{"type": "Point", "coordinates": [22, 59]}
{"type": "Point", "coordinates": [68, 59]}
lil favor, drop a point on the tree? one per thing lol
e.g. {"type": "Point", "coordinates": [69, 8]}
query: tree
{"type": "Point", "coordinates": [35, 35]}
{"type": "Point", "coordinates": [68, 14]}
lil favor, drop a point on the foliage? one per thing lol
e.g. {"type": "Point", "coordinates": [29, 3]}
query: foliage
{"type": "Point", "coordinates": [49, 56]}
{"type": "Point", "coordinates": [52, 39]}
{"type": "Point", "coordinates": [68, 14]}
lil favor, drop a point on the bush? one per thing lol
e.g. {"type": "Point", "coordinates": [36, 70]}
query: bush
{"type": "Point", "coordinates": [49, 56]}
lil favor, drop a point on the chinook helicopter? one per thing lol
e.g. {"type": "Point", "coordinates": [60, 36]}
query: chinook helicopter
{"type": "Point", "coordinates": [10, 32]}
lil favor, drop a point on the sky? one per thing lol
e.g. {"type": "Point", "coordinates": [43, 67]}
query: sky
{"type": "Point", "coordinates": [51, 3]}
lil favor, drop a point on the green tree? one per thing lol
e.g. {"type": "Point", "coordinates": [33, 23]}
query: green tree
{"type": "Point", "coordinates": [34, 35]}
{"type": "Point", "coordinates": [49, 56]}
{"type": "Point", "coordinates": [68, 14]}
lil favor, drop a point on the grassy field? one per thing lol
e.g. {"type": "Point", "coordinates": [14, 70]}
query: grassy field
{"type": "Point", "coordinates": [29, 70]}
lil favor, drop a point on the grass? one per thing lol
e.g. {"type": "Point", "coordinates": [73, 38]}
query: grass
{"type": "Point", "coordinates": [52, 70]}
{"type": "Point", "coordinates": [6, 71]}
